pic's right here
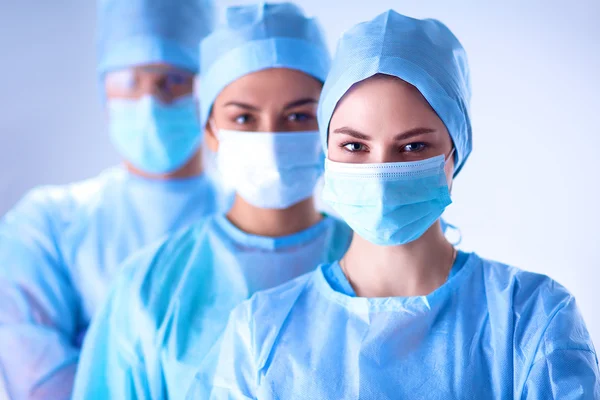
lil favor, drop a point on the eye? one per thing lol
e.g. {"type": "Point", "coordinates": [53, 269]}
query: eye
{"type": "Point", "coordinates": [123, 80]}
{"type": "Point", "coordinates": [299, 117]}
{"type": "Point", "coordinates": [353, 147]}
{"type": "Point", "coordinates": [174, 79]}
{"type": "Point", "coordinates": [243, 119]}
{"type": "Point", "coordinates": [414, 147]}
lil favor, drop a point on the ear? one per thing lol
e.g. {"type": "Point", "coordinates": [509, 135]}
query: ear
{"type": "Point", "coordinates": [210, 138]}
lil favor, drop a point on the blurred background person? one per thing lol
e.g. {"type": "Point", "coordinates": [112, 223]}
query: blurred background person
{"type": "Point", "coordinates": [262, 72]}
{"type": "Point", "coordinates": [60, 246]}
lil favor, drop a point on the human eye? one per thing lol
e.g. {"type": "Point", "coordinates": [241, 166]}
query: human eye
{"type": "Point", "coordinates": [353, 147]}
{"type": "Point", "coordinates": [299, 117]}
{"type": "Point", "coordinates": [414, 147]}
{"type": "Point", "coordinates": [243, 119]}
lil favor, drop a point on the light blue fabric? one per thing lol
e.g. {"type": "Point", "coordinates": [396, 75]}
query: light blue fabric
{"type": "Point", "coordinates": [60, 248]}
{"type": "Point", "coordinates": [490, 332]}
{"type": "Point", "coordinates": [135, 32]}
{"type": "Point", "coordinates": [154, 137]}
{"type": "Point", "coordinates": [257, 37]}
{"type": "Point", "coordinates": [281, 170]}
{"type": "Point", "coordinates": [172, 302]}
{"type": "Point", "coordinates": [389, 203]}
{"type": "Point", "coordinates": [423, 53]}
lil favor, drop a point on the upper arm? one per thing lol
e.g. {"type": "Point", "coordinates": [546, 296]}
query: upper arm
{"type": "Point", "coordinates": [229, 371]}
{"type": "Point", "coordinates": [120, 356]}
{"type": "Point", "coordinates": [34, 281]}
{"type": "Point", "coordinates": [40, 314]}
{"type": "Point", "coordinates": [565, 365]}
{"type": "Point", "coordinates": [111, 364]}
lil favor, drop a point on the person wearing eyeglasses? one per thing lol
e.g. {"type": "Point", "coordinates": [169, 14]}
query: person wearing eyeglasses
{"type": "Point", "coordinates": [61, 246]}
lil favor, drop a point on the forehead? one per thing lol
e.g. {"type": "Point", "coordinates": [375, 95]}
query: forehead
{"type": "Point", "coordinates": [275, 83]}
{"type": "Point", "coordinates": [383, 99]}
{"type": "Point", "coordinates": [151, 69]}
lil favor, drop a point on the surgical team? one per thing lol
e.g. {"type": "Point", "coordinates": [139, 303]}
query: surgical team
{"type": "Point", "coordinates": [159, 279]}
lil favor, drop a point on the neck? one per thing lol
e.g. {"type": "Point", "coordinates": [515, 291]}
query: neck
{"type": "Point", "coordinates": [273, 223]}
{"type": "Point", "coordinates": [192, 168]}
{"type": "Point", "coordinates": [413, 269]}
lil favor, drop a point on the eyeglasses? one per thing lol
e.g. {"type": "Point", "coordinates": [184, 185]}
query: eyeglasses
{"type": "Point", "coordinates": [166, 83]}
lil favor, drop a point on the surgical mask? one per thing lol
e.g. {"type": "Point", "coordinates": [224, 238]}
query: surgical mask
{"type": "Point", "coordinates": [389, 203]}
{"type": "Point", "coordinates": [271, 170]}
{"type": "Point", "coordinates": [154, 137]}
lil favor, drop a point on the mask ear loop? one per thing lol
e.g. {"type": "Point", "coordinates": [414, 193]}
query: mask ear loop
{"type": "Point", "coordinates": [450, 155]}
{"type": "Point", "coordinates": [453, 228]}
{"type": "Point", "coordinates": [446, 225]}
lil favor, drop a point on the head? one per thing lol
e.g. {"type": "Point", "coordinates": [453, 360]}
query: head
{"type": "Point", "coordinates": [159, 80]}
{"type": "Point", "coordinates": [261, 47]}
{"type": "Point", "coordinates": [263, 71]}
{"type": "Point", "coordinates": [270, 100]}
{"type": "Point", "coordinates": [394, 119]}
{"type": "Point", "coordinates": [148, 60]}
{"type": "Point", "coordinates": [384, 119]}
{"type": "Point", "coordinates": [433, 82]}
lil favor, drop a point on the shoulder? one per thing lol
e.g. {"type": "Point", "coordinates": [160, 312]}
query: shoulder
{"type": "Point", "coordinates": [265, 313]}
{"type": "Point", "coordinates": [60, 202]}
{"type": "Point", "coordinates": [524, 289]}
{"type": "Point", "coordinates": [283, 296]}
{"type": "Point", "coordinates": [544, 313]}
{"type": "Point", "coordinates": [41, 216]}
{"type": "Point", "coordinates": [151, 277]}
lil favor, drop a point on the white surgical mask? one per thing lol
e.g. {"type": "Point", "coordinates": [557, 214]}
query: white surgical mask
{"type": "Point", "coordinates": [272, 170]}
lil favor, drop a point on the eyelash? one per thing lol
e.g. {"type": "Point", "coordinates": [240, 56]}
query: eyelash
{"type": "Point", "coordinates": [300, 117]}
{"type": "Point", "coordinates": [247, 118]}
{"type": "Point", "coordinates": [422, 146]}
{"type": "Point", "coordinates": [344, 147]}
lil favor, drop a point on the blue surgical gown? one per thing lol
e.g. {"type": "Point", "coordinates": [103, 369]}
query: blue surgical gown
{"type": "Point", "coordinates": [172, 302]}
{"type": "Point", "coordinates": [60, 248]}
{"type": "Point", "coordinates": [490, 332]}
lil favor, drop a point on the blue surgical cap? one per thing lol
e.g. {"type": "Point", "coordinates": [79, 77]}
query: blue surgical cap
{"type": "Point", "coordinates": [134, 32]}
{"type": "Point", "coordinates": [257, 37]}
{"type": "Point", "coordinates": [423, 53]}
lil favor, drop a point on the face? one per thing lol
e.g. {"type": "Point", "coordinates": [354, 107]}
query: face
{"type": "Point", "coordinates": [272, 100]}
{"type": "Point", "coordinates": [384, 119]}
{"type": "Point", "coordinates": [163, 81]}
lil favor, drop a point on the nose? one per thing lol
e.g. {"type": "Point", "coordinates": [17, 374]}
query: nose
{"type": "Point", "coordinates": [270, 124]}
{"type": "Point", "coordinates": [386, 154]}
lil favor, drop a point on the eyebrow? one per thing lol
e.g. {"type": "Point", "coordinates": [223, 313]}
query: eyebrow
{"type": "Point", "coordinates": [352, 132]}
{"type": "Point", "coordinates": [242, 105]}
{"type": "Point", "coordinates": [293, 104]}
{"type": "Point", "coordinates": [401, 136]}
{"type": "Point", "coordinates": [413, 132]}
{"type": "Point", "coordinates": [301, 102]}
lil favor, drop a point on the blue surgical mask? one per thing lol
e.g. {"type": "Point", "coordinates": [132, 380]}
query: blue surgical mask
{"type": "Point", "coordinates": [155, 137]}
{"type": "Point", "coordinates": [272, 170]}
{"type": "Point", "coordinates": [389, 203]}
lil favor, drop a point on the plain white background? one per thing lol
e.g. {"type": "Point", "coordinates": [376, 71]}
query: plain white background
{"type": "Point", "coordinates": [528, 196]}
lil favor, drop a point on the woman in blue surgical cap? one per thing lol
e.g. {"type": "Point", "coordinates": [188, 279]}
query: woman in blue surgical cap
{"type": "Point", "coordinates": [403, 315]}
{"type": "Point", "coordinates": [262, 75]}
{"type": "Point", "coordinates": [61, 246]}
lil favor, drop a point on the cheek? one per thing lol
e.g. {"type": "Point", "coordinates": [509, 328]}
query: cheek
{"type": "Point", "coordinates": [183, 90]}
{"type": "Point", "coordinates": [334, 152]}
